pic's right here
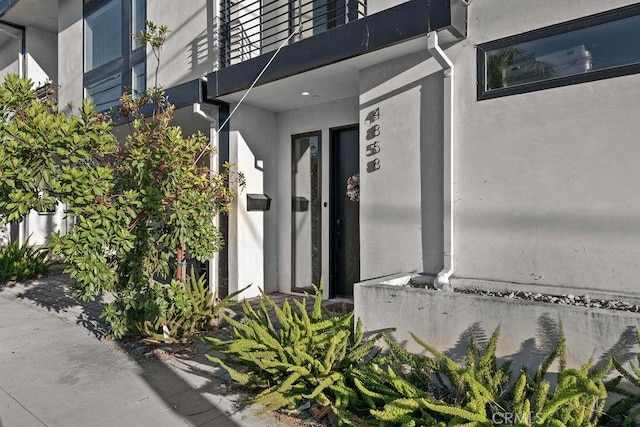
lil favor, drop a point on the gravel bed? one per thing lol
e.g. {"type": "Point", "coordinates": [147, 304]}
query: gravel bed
{"type": "Point", "coordinates": [577, 300]}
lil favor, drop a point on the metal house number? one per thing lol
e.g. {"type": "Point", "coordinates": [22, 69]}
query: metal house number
{"type": "Point", "coordinates": [372, 149]}
{"type": "Point", "coordinates": [373, 131]}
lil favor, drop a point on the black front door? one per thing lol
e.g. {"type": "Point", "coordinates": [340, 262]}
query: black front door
{"type": "Point", "coordinates": [344, 222]}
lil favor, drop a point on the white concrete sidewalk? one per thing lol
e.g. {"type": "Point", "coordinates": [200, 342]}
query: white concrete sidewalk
{"type": "Point", "coordinates": [54, 371]}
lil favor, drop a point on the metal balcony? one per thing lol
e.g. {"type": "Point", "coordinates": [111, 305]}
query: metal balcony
{"type": "Point", "coordinates": [249, 28]}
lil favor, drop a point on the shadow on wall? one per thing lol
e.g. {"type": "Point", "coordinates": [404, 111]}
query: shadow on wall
{"type": "Point", "coordinates": [432, 172]}
{"type": "Point", "coordinates": [199, 52]}
{"type": "Point", "coordinates": [408, 95]}
{"type": "Point", "coordinates": [41, 225]}
{"type": "Point", "coordinates": [535, 350]}
{"type": "Point", "coordinates": [202, 56]}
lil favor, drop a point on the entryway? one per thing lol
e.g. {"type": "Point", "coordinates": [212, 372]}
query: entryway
{"type": "Point", "coordinates": [339, 212]}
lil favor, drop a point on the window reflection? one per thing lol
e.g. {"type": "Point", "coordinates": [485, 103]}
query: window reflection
{"type": "Point", "coordinates": [306, 215]}
{"type": "Point", "coordinates": [113, 61]}
{"type": "Point", "coordinates": [598, 47]}
{"type": "Point", "coordinates": [103, 32]}
{"type": "Point", "coordinates": [105, 92]}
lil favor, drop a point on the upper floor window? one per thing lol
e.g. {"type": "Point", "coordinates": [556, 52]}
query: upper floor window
{"type": "Point", "coordinates": [113, 61]}
{"type": "Point", "coordinates": [586, 49]}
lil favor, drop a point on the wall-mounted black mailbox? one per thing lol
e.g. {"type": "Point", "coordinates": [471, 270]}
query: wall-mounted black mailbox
{"type": "Point", "coordinates": [300, 204]}
{"type": "Point", "coordinates": [258, 202]}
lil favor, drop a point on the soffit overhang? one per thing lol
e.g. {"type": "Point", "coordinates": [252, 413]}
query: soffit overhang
{"type": "Point", "coordinates": [337, 55]}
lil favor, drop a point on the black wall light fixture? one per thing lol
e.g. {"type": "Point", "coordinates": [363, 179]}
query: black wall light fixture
{"type": "Point", "coordinates": [258, 202]}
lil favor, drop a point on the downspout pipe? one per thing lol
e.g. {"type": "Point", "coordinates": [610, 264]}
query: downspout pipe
{"type": "Point", "coordinates": [442, 280]}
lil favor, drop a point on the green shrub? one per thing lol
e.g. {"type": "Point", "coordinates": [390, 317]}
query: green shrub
{"type": "Point", "coordinates": [166, 312]}
{"type": "Point", "coordinates": [318, 357]}
{"type": "Point", "coordinates": [18, 263]}
{"type": "Point", "coordinates": [304, 356]}
{"type": "Point", "coordinates": [434, 390]}
{"type": "Point", "coordinates": [624, 412]}
{"type": "Point", "coordinates": [135, 204]}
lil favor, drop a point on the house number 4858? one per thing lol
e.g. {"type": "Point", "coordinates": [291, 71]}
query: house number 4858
{"type": "Point", "coordinates": [373, 131]}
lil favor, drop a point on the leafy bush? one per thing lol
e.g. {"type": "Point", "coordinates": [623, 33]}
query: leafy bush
{"type": "Point", "coordinates": [624, 412]}
{"type": "Point", "coordinates": [304, 356]}
{"type": "Point", "coordinates": [167, 312]}
{"type": "Point", "coordinates": [423, 390]}
{"type": "Point", "coordinates": [18, 263]}
{"type": "Point", "coordinates": [134, 205]}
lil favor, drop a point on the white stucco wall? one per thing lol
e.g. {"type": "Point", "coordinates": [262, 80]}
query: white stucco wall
{"type": "Point", "coordinates": [401, 185]}
{"type": "Point", "coordinates": [188, 50]}
{"type": "Point", "coordinates": [322, 118]}
{"type": "Point", "coordinates": [546, 181]}
{"type": "Point", "coordinates": [258, 130]}
{"type": "Point", "coordinates": [41, 55]}
{"type": "Point", "coordinates": [41, 226]}
{"type": "Point", "coordinates": [275, 25]}
{"type": "Point", "coordinates": [10, 52]}
{"type": "Point", "coordinates": [70, 51]}
{"type": "Point", "coordinates": [447, 320]}
{"type": "Point", "coordinates": [246, 228]}
{"type": "Point", "coordinates": [376, 6]}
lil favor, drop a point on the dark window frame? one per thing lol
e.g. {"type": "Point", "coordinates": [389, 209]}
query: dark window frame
{"type": "Point", "coordinates": [550, 31]}
{"type": "Point", "coordinates": [130, 57]}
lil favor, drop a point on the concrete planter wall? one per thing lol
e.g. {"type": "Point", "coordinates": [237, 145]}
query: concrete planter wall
{"type": "Point", "coordinates": [528, 330]}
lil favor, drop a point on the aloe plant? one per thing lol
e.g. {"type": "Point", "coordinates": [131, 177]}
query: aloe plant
{"type": "Point", "coordinates": [168, 312]}
{"type": "Point", "coordinates": [22, 262]}
{"type": "Point", "coordinates": [625, 411]}
{"type": "Point", "coordinates": [435, 391]}
{"type": "Point", "coordinates": [304, 356]}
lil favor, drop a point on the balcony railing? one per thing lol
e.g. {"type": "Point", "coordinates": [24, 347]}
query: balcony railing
{"type": "Point", "coordinates": [249, 28]}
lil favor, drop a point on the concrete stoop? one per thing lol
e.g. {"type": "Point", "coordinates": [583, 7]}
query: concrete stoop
{"type": "Point", "coordinates": [529, 330]}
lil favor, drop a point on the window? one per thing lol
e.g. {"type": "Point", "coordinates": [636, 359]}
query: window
{"type": "Point", "coordinates": [587, 49]}
{"type": "Point", "coordinates": [306, 211]}
{"type": "Point", "coordinates": [113, 61]}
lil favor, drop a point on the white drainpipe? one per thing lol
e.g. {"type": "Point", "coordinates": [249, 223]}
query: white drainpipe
{"type": "Point", "coordinates": [442, 279]}
{"type": "Point", "coordinates": [213, 169]}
